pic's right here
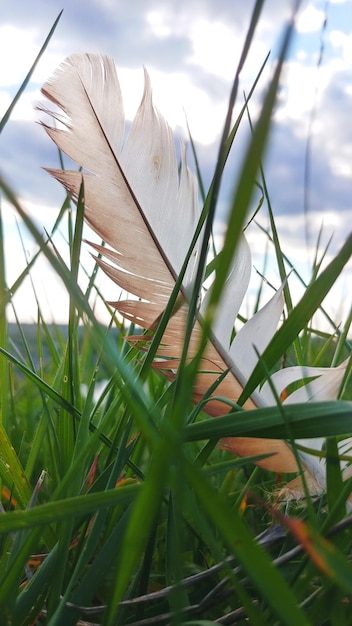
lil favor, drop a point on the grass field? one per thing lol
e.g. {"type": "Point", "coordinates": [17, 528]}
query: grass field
{"type": "Point", "coordinates": [120, 502]}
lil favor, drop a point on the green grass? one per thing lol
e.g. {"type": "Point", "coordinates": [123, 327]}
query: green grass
{"type": "Point", "coordinates": [118, 506]}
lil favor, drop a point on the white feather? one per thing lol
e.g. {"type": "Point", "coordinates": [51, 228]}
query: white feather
{"type": "Point", "coordinates": [146, 211]}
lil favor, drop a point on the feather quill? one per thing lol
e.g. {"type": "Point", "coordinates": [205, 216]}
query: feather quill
{"type": "Point", "coordinates": [147, 212]}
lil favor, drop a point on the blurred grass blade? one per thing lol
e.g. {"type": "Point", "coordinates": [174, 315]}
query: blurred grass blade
{"type": "Point", "coordinates": [4, 298]}
{"type": "Point", "coordinates": [247, 178]}
{"type": "Point", "coordinates": [211, 203]}
{"type": "Point", "coordinates": [318, 419]}
{"type": "Point", "coordinates": [143, 515]}
{"type": "Point", "coordinates": [66, 509]}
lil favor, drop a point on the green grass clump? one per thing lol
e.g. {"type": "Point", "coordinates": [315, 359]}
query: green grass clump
{"type": "Point", "coordinates": [117, 505]}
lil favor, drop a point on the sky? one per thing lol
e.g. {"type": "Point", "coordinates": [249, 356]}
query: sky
{"type": "Point", "coordinates": [191, 50]}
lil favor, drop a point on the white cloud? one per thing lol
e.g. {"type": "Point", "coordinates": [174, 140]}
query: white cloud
{"type": "Point", "coordinates": [5, 101]}
{"type": "Point", "coordinates": [341, 161]}
{"type": "Point", "coordinates": [217, 49]}
{"type": "Point", "coordinates": [310, 19]}
{"type": "Point", "coordinates": [205, 116]}
{"type": "Point", "coordinates": [301, 86]}
{"type": "Point", "coordinates": [15, 45]}
{"type": "Point", "coordinates": [20, 47]}
{"type": "Point", "coordinates": [343, 43]}
{"type": "Point", "coordinates": [25, 107]}
{"type": "Point", "coordinates": [156, 20]}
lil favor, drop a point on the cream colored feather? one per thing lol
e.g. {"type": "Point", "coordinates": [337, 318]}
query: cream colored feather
{"type": "Point", "coordinates": [139, 204]}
